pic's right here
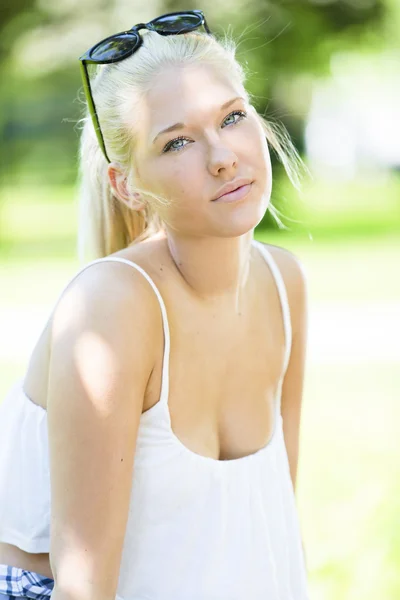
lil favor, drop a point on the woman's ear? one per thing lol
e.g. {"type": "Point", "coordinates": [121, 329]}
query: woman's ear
{"type": "Point", "coordinates": [119, 183]}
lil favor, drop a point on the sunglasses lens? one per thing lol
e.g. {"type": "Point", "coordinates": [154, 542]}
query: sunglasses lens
{"type": "Point", "coordinates": [119, 45]}
{"type": "Point", "coordinates": [177, 23]}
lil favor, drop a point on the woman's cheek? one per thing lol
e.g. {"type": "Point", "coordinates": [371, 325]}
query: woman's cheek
{"type": "Point", "coordinates": [161, 175]}
{"type": "Point", "coordinates": [181, 174]}
{"type": "Point", "coordinates": [172, 180]}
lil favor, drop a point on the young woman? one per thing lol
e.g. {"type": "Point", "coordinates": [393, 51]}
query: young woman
{"type": "Point", "coordinates": [160, 411]}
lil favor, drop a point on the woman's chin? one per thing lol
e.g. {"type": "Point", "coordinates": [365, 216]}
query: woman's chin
{"type": "Point", "coordinates": [238, 227]}
{"type": "Point", "coordinates": [244, 218]}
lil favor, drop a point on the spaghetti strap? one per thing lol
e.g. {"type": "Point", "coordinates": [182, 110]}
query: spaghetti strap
{"type": "Point", "coordinates": [165, 369]}
{"type": "Point", "coordinates": [283, 299]}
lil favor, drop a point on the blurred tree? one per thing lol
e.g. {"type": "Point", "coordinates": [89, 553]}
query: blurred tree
{"type": "Point", "coordinates": [282, 43]}
{"type": "Point", "coordinates": [10, 13]}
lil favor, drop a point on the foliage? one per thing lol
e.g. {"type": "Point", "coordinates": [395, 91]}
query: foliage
{"type": "Point", "coordinates": [282, 43]}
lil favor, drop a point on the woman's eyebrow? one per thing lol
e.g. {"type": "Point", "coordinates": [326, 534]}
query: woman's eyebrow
{"type": "Point", "coordinates": [182, 125]}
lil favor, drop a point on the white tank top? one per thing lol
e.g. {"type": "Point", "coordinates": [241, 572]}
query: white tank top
{"type": "Point", "coordinates": [198, 528]}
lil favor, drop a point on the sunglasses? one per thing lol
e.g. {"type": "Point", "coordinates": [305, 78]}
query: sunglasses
{"type": "Point", "coordinates": [121, 45]}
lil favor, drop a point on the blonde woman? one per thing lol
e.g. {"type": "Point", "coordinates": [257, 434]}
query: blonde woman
{"type": "Point", "coordinates": [151, 451]}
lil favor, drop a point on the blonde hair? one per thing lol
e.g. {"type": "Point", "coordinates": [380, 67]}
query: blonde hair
{"type": "Point", "coordinates": [105, 224]}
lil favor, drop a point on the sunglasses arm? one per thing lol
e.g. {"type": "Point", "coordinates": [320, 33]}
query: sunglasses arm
{"type": "Point", "coordinates": [92, 109]}
{"type": "Point", "coordinates": [206, 26]}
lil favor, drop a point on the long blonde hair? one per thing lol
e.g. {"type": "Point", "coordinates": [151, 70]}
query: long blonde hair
{"type": "Point", "coordinates": [105, 224]}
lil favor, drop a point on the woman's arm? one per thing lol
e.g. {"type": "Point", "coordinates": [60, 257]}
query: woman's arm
{"type": "Point", "coordinates": [293, 383]}
{"type": "Point", "coordinates": [102, 355]}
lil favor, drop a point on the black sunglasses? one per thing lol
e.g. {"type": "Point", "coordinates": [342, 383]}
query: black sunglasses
{"type": "Point", "coordinates": [121, 45]}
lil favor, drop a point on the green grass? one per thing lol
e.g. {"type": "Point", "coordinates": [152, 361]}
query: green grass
{"type": "Point", "coordinates": [348, 490]}
{"type": "Point", "coordinates": [348, 485]}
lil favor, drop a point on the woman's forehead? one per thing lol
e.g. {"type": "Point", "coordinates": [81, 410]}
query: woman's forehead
{"type": "Point", "coordinates": [183, 94]}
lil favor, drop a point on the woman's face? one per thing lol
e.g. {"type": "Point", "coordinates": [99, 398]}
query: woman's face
{"type": "Point", "coordinates": [218, 140]}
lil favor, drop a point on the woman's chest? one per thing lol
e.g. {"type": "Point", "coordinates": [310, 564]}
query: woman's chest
{"type": "Point", "coordinates": [223, 376]}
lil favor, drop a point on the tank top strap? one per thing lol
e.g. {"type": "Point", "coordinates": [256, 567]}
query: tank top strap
{"type": "Point", "coordinates": [280, 284]}
{"type": "Point", "coordinates": [165, 367]}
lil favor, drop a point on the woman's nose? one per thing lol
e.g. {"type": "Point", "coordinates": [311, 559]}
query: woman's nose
{"type": "Point", "coordinates": [221, 159]}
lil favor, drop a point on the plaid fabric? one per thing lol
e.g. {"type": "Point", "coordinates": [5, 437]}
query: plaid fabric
{"type": "Point", "coordinates": [18, 583]}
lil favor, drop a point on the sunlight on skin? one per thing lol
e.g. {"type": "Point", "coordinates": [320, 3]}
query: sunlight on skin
{"type": "Point", "coordinates": [90, 352]}
{"type": "Point", "coordinates": [73, 304]}
{"type": "Point", "coordinates": [209, 242]}
{"type": "Point", "coordinates": [188, 174]}
{"type": "Point", "coordinates": [76, 561]}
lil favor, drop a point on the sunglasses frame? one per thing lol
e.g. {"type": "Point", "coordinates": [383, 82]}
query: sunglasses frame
{"type": "Point", "coordinates": [86, 59]}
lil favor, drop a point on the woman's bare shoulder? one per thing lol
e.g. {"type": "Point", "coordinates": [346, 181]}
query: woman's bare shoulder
{"type": "Point", "coordinates": [289, 263]}
{"type": "Point", "coordinates": [116, 291]}
{"type": "Point", "coordinates": [295, 279]}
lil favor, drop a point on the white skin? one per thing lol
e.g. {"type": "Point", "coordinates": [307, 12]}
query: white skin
{"type": "Point", "coordinates": [209, 242]}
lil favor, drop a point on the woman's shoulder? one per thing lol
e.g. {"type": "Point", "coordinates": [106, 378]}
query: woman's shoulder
{"type": "Point", "coordinates": [290, 265]}
{"type": "Point", "coordinates": [110, 281]}
{"type": "Point", "coordinates": [295, 278]}
{"type": "Point", "coordinates": [110, 293]}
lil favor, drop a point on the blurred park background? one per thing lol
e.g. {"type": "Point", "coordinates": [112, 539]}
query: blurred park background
{"type": "Point", "coordinates": [329, 70]}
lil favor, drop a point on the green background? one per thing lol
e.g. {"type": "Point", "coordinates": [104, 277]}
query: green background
{"type": "Point", "coordinates": [345, 232]}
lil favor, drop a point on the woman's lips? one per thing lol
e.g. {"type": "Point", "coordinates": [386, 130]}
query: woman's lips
{"type": "Point", "coordinates": [237, 194]}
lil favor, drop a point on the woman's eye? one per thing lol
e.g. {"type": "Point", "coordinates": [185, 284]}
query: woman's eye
{"type": "Point", "coordinates": [175, 145]}
{"type": "Point", "coordinates": [172, 144]}
{"type": "Point", "coordinates": [236, 113]}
